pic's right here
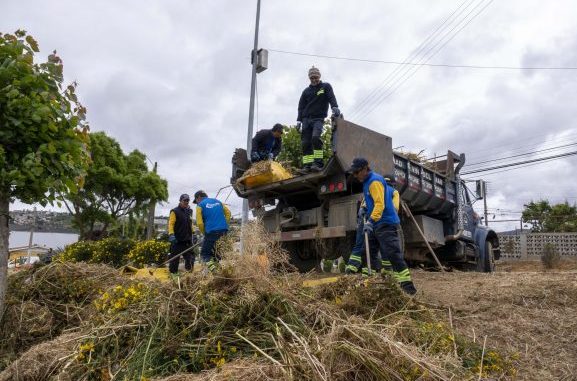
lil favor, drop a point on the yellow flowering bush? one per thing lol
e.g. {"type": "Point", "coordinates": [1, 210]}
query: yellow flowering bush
{"type": "Point", "coordinates": [112, 251]}
{"type": "Point", "coordinates": [120, 298]}
{"type": "Point", "coordinates": [85, 351]}
{"type": "Point", "coordinates": [147, 252]}
{"type": "Point", "coordinates": [81, 251]}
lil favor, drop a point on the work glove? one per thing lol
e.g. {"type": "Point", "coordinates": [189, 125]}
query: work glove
{"type": "Point", "coordinates": [299, 126]}
{"type": "Point", "coordinates": [254, 156]}
{"type": "Point", "coordinates": [368, 227]}
{"type": "Point", "coordinates": [171, 238]}
{"type": "Point", "coordinates": [270, 156]}
{"type": "Point", "coordinates": [336, 111]}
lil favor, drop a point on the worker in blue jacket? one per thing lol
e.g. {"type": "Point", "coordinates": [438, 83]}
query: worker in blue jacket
{"type": "Point", "coordinates": [357, 259]}
{"type": "Point", "coordinates": [212, 218]}
{"type": "Point", "coordinates": [382, 220]}
{"type": "Point", "coordinates": [312, 111]}
{"type": "Point", "coordinates": [266, 144]}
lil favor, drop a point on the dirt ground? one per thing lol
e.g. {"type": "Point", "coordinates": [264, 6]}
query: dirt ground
{"type": "Point", "coordinates": [520, 309]}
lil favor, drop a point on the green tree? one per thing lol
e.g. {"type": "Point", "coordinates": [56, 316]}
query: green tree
{"type": "Point", "coordinates": [292, 152]}
{"type": "Point", "coordinates": [43, 135]}
{"type": "Point", "coordinates": [546, 218]}
{"type": "Point", "coordinates": [116, 185]}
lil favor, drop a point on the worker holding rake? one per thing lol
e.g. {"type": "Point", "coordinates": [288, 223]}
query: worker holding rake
{"type": "Point", "coordinates": [180, 235]}
{"type": "Point", "coordinates": [382, 220]}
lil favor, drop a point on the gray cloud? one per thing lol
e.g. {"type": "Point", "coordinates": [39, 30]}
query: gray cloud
{"type": "Point", "coordinates": [172, 78]}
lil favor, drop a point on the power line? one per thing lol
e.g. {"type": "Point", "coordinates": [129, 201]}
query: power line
{"type": "Point", "coordinates": [426, 64]}
{"type": "Point", "coordinates": [414, 54]}
{"type": "Point", "coordinates": [521, 163]}
{"type": "Point", "coordinates": [405, 78]}
{"type": "Point", "coordinates": [523, 154]}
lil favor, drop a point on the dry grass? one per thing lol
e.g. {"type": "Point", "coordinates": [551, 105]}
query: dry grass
{"type": "Point", "coordinates": [253, 321]}
{"type": "Point", "coordinates": [530, 314]}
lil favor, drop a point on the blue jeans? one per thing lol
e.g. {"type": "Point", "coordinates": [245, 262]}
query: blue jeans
{"type": "Point", "coordinates": [358, 258]}
{"type": "Point", "coordinates": [207, 253]}
{"type": "Point", "coordinates": [387, 239]}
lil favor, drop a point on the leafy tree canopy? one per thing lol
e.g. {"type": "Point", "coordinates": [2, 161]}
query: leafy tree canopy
{"type": "Point", "coordinates": [116, 185]}
{"type": "Point", "coordinates": [545, 218]}
{"type": "Point", "coordinates": [43, 133]}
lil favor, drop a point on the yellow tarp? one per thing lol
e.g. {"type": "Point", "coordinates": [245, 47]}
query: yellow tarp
{"type": "Point", "coordinates": [264, 172]}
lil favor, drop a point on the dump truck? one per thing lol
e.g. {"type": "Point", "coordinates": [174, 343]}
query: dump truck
{"type": "Point", "coordinates": [314, 215]}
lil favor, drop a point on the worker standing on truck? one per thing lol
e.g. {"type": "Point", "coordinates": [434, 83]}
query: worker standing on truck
{"type": "Point", "coordinates": [266, 144]}
{"type": "Point", "coordinates": [212, 218]}
{"type": "Point", "coordinates": [382, 220]}
{"type": "Point", "coordinates": [312, 111]}
{"type": "Point", "coordinates": [180, 234]}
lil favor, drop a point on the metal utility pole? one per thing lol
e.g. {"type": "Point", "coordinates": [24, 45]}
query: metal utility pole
{"type": "Point", "coordinates": [31, 238]}
{"type": "Point", "coordinates": [485, 203]}
{"type": "Point", "coordinates": [150, 224]}
{"type": "Point", "coordinates": [251, 106]}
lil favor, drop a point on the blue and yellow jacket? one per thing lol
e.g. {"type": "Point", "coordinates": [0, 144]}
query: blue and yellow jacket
{"type": "Point", "coordinates": [379, 198]}
{"type": "Point", "coordinates": [212, 215]}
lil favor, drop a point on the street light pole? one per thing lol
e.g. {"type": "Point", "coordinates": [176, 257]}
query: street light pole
{"type": "Point", "coordinates": [251, 106]}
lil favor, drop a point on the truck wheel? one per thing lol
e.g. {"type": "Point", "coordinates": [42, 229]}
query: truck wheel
{"type": "Point", "coordinates": [302, 255]}
{"type": "Point", "coordinates": [486, 261]}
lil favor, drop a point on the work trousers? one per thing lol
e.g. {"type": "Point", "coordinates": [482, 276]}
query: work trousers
{"type": "Point", "coordinates": [177, 248]}
{"type": "Point", "coordinates": [387, 238]}
{"type": "Point", "coordinates": [312, 144]}
{"type": "Point", "coordinates": [207, 252]}
{"type": "Point", "coordinates": [358, 258]}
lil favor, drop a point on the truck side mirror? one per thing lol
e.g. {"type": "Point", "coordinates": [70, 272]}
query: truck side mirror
{"type": "Point", "coordinates": [480, 189]}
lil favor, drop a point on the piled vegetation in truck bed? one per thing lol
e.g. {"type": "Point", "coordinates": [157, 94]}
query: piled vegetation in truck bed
{"type": "Point", "coordinates": [248, 321]}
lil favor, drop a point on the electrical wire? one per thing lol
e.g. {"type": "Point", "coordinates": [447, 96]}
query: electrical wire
{"type": "Point", "coordinates": [366, 100]}
{"type": "Point", "coordinates": [423, 45]}
{"type": "Point", "coordinates": [520, 163]}
{"type": "Point", "coordinates": [405, 78]}
{"type": "Point", "coordinates": [426, 64]}
{"type": "Point", "coordinates": [522, 154]}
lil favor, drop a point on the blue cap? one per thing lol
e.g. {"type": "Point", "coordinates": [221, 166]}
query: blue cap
{"type": "Point", "coordinates": [358, 164]}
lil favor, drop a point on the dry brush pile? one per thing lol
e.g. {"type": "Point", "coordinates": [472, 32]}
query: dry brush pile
{"type": "Point", "coordinates": [251, 320]}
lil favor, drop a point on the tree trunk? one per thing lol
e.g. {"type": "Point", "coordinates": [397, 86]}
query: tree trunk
{"type": "Point", "coordinates": [4, 233]}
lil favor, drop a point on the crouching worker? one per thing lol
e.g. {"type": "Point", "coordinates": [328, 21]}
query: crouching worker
{"type": "Point", "coordinates": [266, 144]}
{"type": "Point", "coordinates": [180, 235]}
{"type": "Point", "coordinates": [382, 220]}
{"type": "Point", "coordinates": [212, 218]}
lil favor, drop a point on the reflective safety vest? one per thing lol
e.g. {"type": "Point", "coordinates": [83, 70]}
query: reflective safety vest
{"type": "Point", "coordinates": [389, 215]}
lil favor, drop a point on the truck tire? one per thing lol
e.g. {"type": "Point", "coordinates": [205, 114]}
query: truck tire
{"type": "Point", "coordinates": [486, 261]}
{"type": "Point", "coordinates": [302, 255]}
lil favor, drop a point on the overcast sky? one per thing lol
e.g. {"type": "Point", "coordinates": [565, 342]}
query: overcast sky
{"type": "Point", "coordinates": [172, 79]}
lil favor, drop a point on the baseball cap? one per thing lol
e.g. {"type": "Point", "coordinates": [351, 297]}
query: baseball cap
{"type": "Point", "coordinates": [358, 164]}
{"type": "Point", "coordinates": [184, 196]}
{"type": "Point", "coordinates": [199, 193]}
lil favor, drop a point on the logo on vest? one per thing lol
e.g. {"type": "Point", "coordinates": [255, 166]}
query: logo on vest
{"type": "Point", "coordinates": [213, 205]}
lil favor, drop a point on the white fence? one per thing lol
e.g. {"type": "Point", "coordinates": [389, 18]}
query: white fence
{"type": "Point", "coordinates": [530, 245]}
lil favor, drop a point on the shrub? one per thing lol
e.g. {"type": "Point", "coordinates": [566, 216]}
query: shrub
{"type": "Point", "coordinates": [112, 251]}
{"type": "Point", "coordinates": [550, 256]}
{"type": "Point", "coordinates": [147, 252]}
{"type": "Point", "coordinates": [81, 251]}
